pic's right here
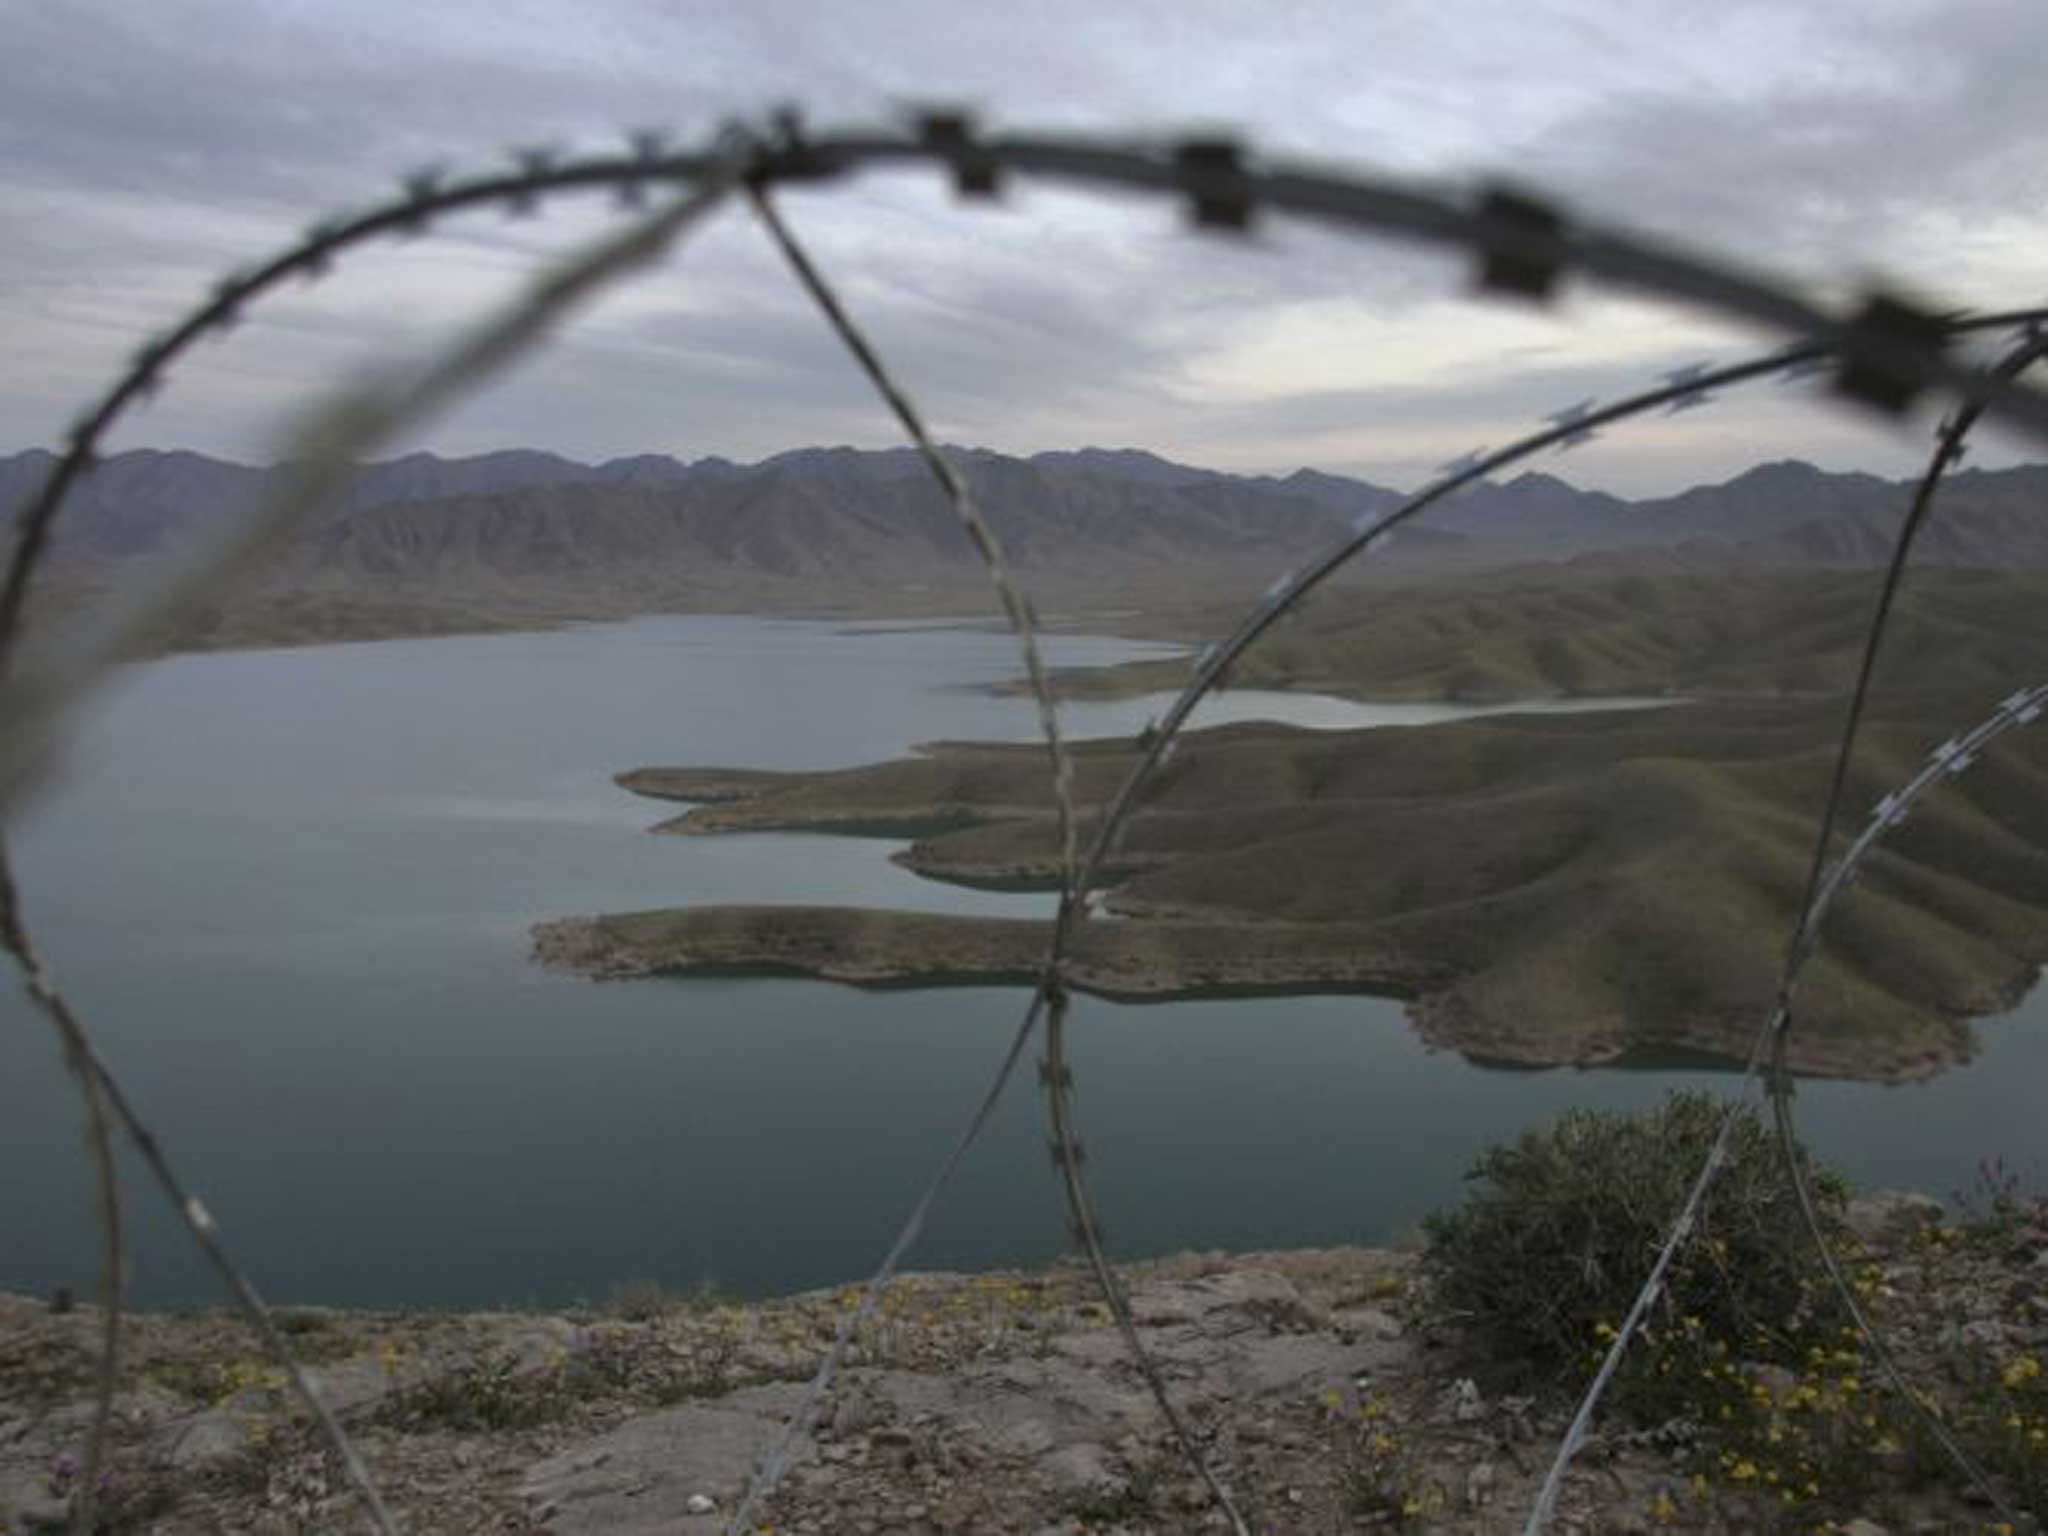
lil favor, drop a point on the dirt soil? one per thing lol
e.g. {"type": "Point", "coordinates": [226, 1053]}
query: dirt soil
{"type": "Point", "coordinates": [1328, 1392]}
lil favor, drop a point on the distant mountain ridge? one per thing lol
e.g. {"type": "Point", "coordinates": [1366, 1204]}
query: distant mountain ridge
{"type": "Point", "coordinates": [823, 518]}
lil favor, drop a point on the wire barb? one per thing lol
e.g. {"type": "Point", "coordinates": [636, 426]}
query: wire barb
{"type": "Point", "coordinates": [951, 135]}
{"type": "Point", "coordinates": [1888, 352]}
{"type": "Point", "coordinates": [1886, 356]}
{"type": "Point", "coordinates": [1521, 244]}
{"type": "Point", "coordinates": [1212, 170]}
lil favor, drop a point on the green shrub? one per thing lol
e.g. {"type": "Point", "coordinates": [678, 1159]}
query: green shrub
{"type": "Point", "coordinates": [1545, 1257]}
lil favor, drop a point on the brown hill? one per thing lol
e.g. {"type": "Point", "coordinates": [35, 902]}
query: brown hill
{"type": "Point", "coordinates": [1595, 627]}
{"type": "Point", "coordinates": [1550, 887]}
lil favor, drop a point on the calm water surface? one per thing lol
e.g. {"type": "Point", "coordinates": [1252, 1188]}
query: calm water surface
{"type": "Point", "coordinates": [290, 890]}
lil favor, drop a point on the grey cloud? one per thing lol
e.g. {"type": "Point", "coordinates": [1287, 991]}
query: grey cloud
{"type": "Point", "coordinates": [168, 140]}
{"type": "Point", "coordinates": [1841, 170]}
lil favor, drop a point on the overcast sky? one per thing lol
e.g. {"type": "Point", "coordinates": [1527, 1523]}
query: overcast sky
{"type": "Point", "coordinates": [147, 148]}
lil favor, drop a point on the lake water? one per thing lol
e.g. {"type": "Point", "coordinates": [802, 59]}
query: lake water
{"type": "Point", "coordinates": [290, 891]}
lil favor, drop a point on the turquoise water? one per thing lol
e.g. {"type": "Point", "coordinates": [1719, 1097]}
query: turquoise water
{"type": "Point", "coordinates": [290, 892]}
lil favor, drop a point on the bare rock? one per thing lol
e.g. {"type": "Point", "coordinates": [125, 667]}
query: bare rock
{"type": "Point", "coordinates": [857, 1411]}
{"type": "Point", "coordinates": [207, 1439]}
{"type": "Point", "coordinates": [640, 1478]}
{"type": "Point", "coordinates": [1082, 1468]}
{"type": "Point", "coordinates": [350, 1386]}
{"type": "Point", "coordinates": [541, 1343]}
{"type": "Point", "coordinates": [1479, 1485]}
{"type": "Point", "coordinates": [1889, 1215]}
{"type": "Point", "coordinates": [1260, 1367]}
{"type": "Point", "coordinates": [1461, 1402]}
{"type": "Point", "coordinates": [1368, 1322]}
{"type": "Point", "coordinates": [1164, 1304]}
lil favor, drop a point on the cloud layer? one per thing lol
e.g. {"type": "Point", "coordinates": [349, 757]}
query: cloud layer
{"type": "Point", "coordinates": [146, 149]}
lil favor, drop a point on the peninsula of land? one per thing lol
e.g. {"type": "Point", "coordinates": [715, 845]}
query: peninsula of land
{"type": "Point", "coordinates": [1542, 888]}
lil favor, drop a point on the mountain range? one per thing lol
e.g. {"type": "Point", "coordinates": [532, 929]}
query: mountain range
{"type": "Point", "coordinates": [824, 525]}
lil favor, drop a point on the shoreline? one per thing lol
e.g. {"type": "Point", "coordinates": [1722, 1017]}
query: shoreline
{"type": "Point", "coordinates": [294, 618]}
{"type": "Point", "coordinates": [871, 947]}
{"type": "Point", "coordinates": [1127, 961]}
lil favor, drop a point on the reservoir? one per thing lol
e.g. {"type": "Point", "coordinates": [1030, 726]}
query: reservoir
{"type": "Point", "coordinates": [289, 891]}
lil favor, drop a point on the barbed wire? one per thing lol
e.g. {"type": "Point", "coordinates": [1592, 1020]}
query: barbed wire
{"type": "Point", "coordinates": [1017, 608]}
{"type": "Point", "coordinates": [1947, 761]}
{"type": "Point", "coordinates": [1824, 884]}
{"type": "Point", "coordinates": [1950, 443]}
{"type": "Point", "coordinates": [1016, 603]}
{"type": "Point", "coordinates": [102, 1093]}
{"type": "Point", "coordinates": [1952, 757]}
{"type": "Point", "coordinates": [332, 441]}
{"type": "Point", "coordinates": [1569, 428]}
{"type": "Point", "coordinates": [2020, 708]}
{"type": "Point", "coordinates": [42, 992]}
{"type": "Point", "coordinates": [1886, 353]}
{"type": "Point", "coordinates": [1566, 429]}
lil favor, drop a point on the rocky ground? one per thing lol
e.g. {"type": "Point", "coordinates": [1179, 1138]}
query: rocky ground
{"type": "Point", "coordinates": [1330, 1393]}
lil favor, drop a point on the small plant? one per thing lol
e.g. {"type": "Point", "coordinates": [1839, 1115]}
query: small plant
{"type": "Point", "coordinates": [216, 1381]}
{"type": "Point", "coordinates": [1112, 1506]}
{"type": "Point", "coordinates": [124, 1500]}
{"type": "Point", "coordinates": [45, 1370]}
{"type": "Point", "coordinates": [1746, 1369]}
{"type": "Point", "coordinates": [1546, 1256]}
{"type": "Point", "coordinates": [641, 1301]}
{"type": "Point", "coordinates": [1994, 1209]}
{"type": "Point", "coordinates": [1379, 1472]}
{"type": "Point", "coordinates": [492, 1393]}
{"type": "Point", "coordinates": [2004, 1411]}
{"type": "Point", "coordinates": [1781, 1447]}
{"type": "Point", "coordinates": [646, 1301]}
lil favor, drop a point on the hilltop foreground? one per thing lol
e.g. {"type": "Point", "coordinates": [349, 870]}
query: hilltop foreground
{"type": "Point", "coordinates": [1332, 1394]}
